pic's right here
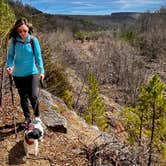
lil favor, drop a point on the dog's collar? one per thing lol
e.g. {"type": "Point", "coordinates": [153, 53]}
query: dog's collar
{"type": "Point", "coordinates": [31, 127]}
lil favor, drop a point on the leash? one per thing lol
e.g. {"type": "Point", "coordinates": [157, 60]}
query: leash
{"type": "Point", "coordinates": [14, 115]}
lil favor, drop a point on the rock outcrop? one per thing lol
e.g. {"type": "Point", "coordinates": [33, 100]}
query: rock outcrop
{"type": "Point", "coordinates": [50, 117]}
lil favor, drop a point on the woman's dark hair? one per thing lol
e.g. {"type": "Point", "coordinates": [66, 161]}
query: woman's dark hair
{"type": "Point", "coordinates": [13, 32]}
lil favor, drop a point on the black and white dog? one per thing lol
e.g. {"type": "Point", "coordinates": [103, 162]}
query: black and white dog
{"type": "Point", "coordinates": [32, 135]}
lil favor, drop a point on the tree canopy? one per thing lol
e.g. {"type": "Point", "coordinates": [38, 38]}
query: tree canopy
{"type": "Point", "coordinates": [7, 18]}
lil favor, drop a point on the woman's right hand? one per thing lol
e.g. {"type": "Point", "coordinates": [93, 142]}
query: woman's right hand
{"type": "Point", "coordinates": [9, 70]}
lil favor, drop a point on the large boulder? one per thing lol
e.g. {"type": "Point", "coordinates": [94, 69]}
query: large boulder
{"type": "Point", "coordinates": [49, 116]}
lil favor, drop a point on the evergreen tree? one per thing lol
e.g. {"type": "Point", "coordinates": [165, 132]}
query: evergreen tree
{"type": "Point", "coordinates": [154, 95]}
{"type": "Point", "coordinates": [148, 117]}
{"type": "Point", "coordinates": [94, 113]}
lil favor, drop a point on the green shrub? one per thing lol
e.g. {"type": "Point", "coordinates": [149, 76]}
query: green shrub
{"type": "Point", "coordinates": [80, 35]}
{"type": "Point", "coordinates": [68, 98]}
{"type": "Point", "coordinates": [128, 36]}
{"type": "Point", "coordinates": [56, 79]}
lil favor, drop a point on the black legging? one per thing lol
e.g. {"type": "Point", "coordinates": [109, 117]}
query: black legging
{"type": "Point", "coordinates": [27, 89]}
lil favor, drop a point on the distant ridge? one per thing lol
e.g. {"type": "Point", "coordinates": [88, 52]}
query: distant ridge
{"type": "Point", "coordinates": [125, 16]}
{"type": "Point", "coordinates": [44, 21]}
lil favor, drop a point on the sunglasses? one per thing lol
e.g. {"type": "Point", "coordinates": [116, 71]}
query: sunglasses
{"type": "Point", "coordinates": [22, 31]}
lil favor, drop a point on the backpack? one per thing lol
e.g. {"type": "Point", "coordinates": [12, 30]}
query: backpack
{"type": "Point", "coordinates": [31, 42]}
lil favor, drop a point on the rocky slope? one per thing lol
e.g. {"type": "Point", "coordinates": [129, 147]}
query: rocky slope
{"type": "Point", "coordinates": [68, 139]}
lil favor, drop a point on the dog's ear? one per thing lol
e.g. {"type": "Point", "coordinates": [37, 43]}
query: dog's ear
{"type": "Point", "coordinates": [29, 138]}
{"type": "Point", "coordinates": [29, 135]}
{"type": "Point", "coordinates": [40, 133]}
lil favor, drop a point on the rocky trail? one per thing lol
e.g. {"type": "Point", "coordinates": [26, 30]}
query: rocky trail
{"type": "Point", "coordinates": [68, 140]}
{"type": "Point", "coordinates": [59, 147]}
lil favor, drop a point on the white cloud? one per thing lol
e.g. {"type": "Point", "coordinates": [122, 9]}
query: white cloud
{"type": "Point", "coordinates": [82, 4]}
{"type": "Point", "coordinates": [77, 2]}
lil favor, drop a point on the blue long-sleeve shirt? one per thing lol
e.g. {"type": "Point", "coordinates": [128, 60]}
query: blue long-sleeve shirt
{"type": "Point", "coordinates": [23, 58]}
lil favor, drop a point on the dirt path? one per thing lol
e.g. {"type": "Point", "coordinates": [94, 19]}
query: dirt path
{"type": "Point", "coordinates": [57, 149]}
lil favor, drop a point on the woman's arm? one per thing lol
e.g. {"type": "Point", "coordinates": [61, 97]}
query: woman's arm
{"type": "Point", "coordinates": [10, 57]}
{"type": "Point", "coordinates": [38, 56]}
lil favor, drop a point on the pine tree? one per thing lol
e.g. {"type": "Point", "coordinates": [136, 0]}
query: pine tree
{"type": "Point", "coordinates": [148, 117]}
{"type": "Point", "coordinates": [154, 94]}
{"type": "Point", "coordinates": [94, 114]}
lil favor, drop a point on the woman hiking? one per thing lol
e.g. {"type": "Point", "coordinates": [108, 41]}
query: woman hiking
{"type": "Point", "coordinates": [25, 64]}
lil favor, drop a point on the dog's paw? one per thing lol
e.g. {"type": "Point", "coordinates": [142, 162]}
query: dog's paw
{"type": "Point", "coordinates": [27, 155]}
{"type": "Point", "coordinates": [36, 154]}
{"type": "Point", "coordinates": [41, 140]}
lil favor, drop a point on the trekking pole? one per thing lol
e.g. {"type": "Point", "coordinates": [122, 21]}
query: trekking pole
{"type": "Point", "coordinates": [41, 86]}
{"type": "Point", "coordinates": [41, 83]}
{"type": "Point", "coordinates": [11, 88]}
{"type": "Point", "coordinates": [12, 95]}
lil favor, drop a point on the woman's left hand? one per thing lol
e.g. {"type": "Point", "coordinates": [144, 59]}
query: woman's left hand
{"type": "Point", "coordinates": [41, 76]}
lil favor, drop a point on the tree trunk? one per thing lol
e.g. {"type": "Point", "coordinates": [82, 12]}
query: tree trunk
{"type": "Point", "coordinates": [1, 85]}
{"type": "Point", "coordinates": [4, 53]}
{"type": "Point", "coordinates": [76, 103]}
{"type": "Point", "coordinates": [92, 118]}
{"type": "Point", "coordinates": [141, 125]}
{"type": "Point", "coordinates": [152, 135]}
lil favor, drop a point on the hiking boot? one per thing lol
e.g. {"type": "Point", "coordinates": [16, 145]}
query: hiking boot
{"type": "Point", "coordinates": [26, 123]}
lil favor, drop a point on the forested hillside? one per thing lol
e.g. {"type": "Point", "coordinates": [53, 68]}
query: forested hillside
{"type": "Point", "coordinates": [110, 70]}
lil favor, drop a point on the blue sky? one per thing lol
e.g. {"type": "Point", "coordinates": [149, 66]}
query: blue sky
{"type": "Point", "coordinates": [94, 7]}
